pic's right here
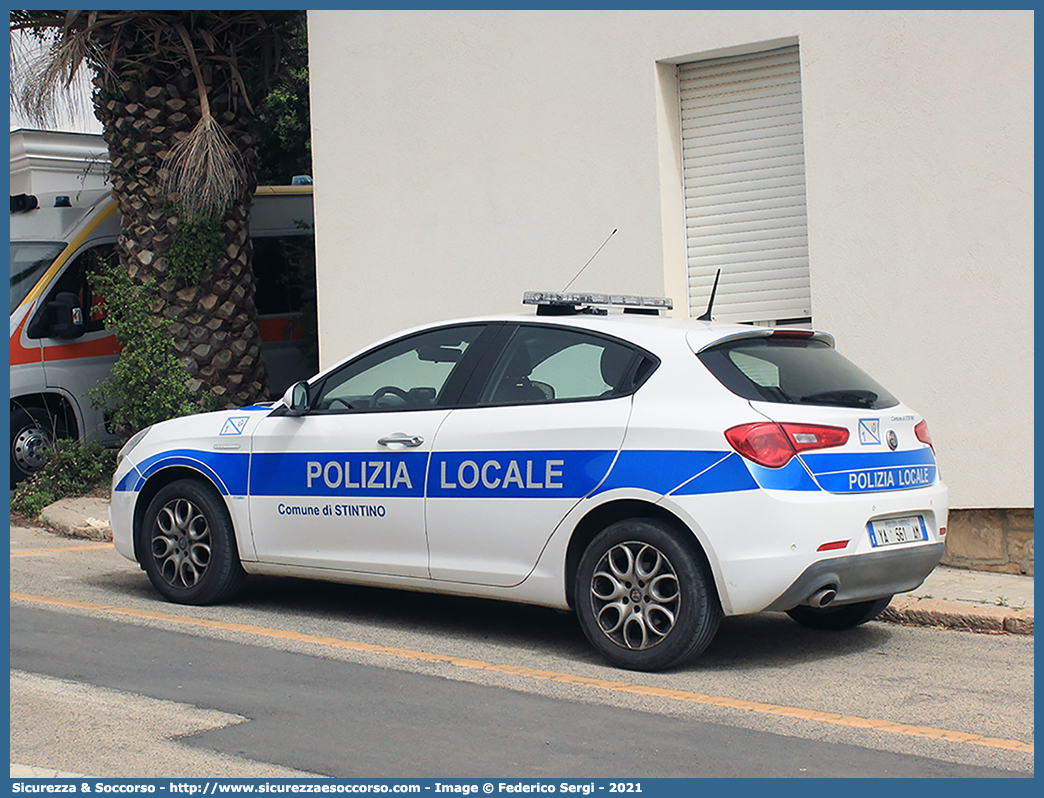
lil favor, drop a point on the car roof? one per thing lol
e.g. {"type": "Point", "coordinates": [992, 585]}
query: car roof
{"type": "Point", "coordinates": [649, 332]}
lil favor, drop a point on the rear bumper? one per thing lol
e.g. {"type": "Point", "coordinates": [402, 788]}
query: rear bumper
{"type": "Point", "coordinates": [762, 543]}
{"type": "Point", "coordinates": [863, 577]}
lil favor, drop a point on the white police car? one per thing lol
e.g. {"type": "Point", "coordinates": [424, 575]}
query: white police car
{"type": "Point", "coordinates": [652, 474]}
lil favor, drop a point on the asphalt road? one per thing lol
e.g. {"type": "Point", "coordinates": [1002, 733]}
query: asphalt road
{"type": "Point", "coordinates": [316, 678]}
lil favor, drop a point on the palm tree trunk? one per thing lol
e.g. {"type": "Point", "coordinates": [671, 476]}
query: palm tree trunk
{"type": "Point", "coordinates": [213, 320]}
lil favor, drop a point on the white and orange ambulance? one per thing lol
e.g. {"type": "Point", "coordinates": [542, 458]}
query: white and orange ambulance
{"type": "Point", "coordinates": [60, 348]}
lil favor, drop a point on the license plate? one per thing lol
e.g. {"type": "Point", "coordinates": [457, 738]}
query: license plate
{"type": "Point", "coordinates": [897, 530]}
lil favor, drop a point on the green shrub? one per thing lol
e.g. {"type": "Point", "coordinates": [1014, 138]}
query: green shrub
{"type": "Point", "coordinates": [70, 469]}
{"type": "Point", "coordinates": [198, 245]}
{"type": "Point", "coordinates": [148, 384]}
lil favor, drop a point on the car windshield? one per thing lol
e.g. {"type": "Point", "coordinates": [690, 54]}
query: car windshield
{"type": "Point", "coordinates": [794, 371]}
{"type": "Point", "coordinates": [28, 262]}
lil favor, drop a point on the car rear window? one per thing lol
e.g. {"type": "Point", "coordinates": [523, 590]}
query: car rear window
{"type": "Point", "coordinates": [793, 371]}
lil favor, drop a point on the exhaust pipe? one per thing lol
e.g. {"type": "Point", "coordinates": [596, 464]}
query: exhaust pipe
{"type": "Point", "coordinates": [822, 597]}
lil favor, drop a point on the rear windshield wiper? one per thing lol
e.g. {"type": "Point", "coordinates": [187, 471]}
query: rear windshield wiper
{"type": "Point", "coordinates": [846, 398]}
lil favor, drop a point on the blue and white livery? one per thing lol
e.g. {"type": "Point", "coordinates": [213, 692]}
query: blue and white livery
{"type": "Point", "coordinates": [652, 474]}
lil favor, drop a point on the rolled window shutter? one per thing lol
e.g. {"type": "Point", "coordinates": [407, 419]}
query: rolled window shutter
{"type": "Point", "coordinates": [744, 178]}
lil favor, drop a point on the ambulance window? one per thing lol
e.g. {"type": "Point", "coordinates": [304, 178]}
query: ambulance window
{"type": "Point", "coordinates": [28, 263]}
{"type": "Point", "coordinates": [549, 364]}
{"type": "Point", "coordinates": [284, 268]}
{"type": "Point", "coordinates": [408, 374]}
{"type": "Point", "coordinates": [75, 280]}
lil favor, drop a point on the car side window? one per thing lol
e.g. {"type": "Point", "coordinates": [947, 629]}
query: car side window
{"type": "Point", "coordinates": [552, 364]}
{"type": "Point", "coordinates": [408, 374]}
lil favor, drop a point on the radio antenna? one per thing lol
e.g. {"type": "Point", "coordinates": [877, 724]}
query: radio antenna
{"type": "Point", "coordinates": [589, 260]}
{"type": "Point", "coordinates": [710, 305]}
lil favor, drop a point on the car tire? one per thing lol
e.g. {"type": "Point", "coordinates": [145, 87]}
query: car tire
{"type": "Point", "coordinates": [844, 616]}
{"type": "Point", "coordinates": [645, 600]}
{"type": "Point", "coordinates": [33, 430]}
{"type": "Point", "coordinates": [187, 545]}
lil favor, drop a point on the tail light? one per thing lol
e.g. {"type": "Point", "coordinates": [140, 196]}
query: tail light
{"type": "Point", "coordinates": [792, 333]}
{"type": "Point", "coordinates": [921, 431]}
{"type": "Point", "coordinates": [773, 445]}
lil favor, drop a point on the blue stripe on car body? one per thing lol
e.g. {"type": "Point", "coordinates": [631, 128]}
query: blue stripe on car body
{"type": "Point", "coordinates": [227, 470]}
{"type": "Point", "coordinates": [871, 472]}
{"type": "Point", "coordinates": [537, 474]}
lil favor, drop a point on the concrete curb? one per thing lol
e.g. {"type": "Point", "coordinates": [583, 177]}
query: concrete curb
{"type": "Point", "coordinates": [83, 517]}
{"type": "Point", "coordinates": [913, 611]}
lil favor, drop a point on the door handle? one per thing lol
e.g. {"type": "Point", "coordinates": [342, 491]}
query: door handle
{"type": "Point", "coordinates": [399, 439]}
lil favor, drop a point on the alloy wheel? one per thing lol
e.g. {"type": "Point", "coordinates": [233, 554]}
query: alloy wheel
{"type": "Point", "coordinates": [635, 595]}
{"type": "Point", "coordinates": [181, 543]}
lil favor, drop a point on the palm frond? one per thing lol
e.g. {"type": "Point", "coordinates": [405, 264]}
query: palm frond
{"type": "Point", "coordinates": [205, 169]}
{"type": "Point", "coordinates": [44, 82]}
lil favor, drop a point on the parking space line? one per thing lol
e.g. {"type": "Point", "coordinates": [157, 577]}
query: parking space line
{"type": "Point", "coordinates": [62, 549]}
{"type": "Point", "coordinates": [607, 685]}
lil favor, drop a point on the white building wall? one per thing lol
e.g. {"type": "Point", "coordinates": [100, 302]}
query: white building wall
{"type": "Point", "coordinates": [44, 161]}
{"type": "Point", "coordinates": [464, 157]}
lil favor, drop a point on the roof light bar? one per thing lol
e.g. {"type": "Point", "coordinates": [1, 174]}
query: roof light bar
{"type": "Point", "coordinates": [601, 300]}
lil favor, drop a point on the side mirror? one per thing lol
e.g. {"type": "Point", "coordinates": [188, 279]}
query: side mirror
{"type": "Point", "coordinates": [297, 399]}
{"type": "Point", "coordinates": [67, 315]}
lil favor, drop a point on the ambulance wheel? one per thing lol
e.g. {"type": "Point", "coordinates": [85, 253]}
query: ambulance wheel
{"type": "Point", "coordinates": [645, 600]}
{"type": "Point", "coordinates": [841, 617]}
{"type": "Point", "coordinates": [33, 430]}
{"type": "Point", "coordinates": [187, 545]}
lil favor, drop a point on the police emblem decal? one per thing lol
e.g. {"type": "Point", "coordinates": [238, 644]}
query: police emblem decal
{"type": "Point", "coordinates": [893, 440]}
{"type": "Point", "coordinates": [869, 431]}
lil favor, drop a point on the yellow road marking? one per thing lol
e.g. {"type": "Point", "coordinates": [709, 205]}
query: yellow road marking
{"type": "Point", "coordinates": [553, 676]}
{"type": "Point", "coordinates": [63, 548]}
